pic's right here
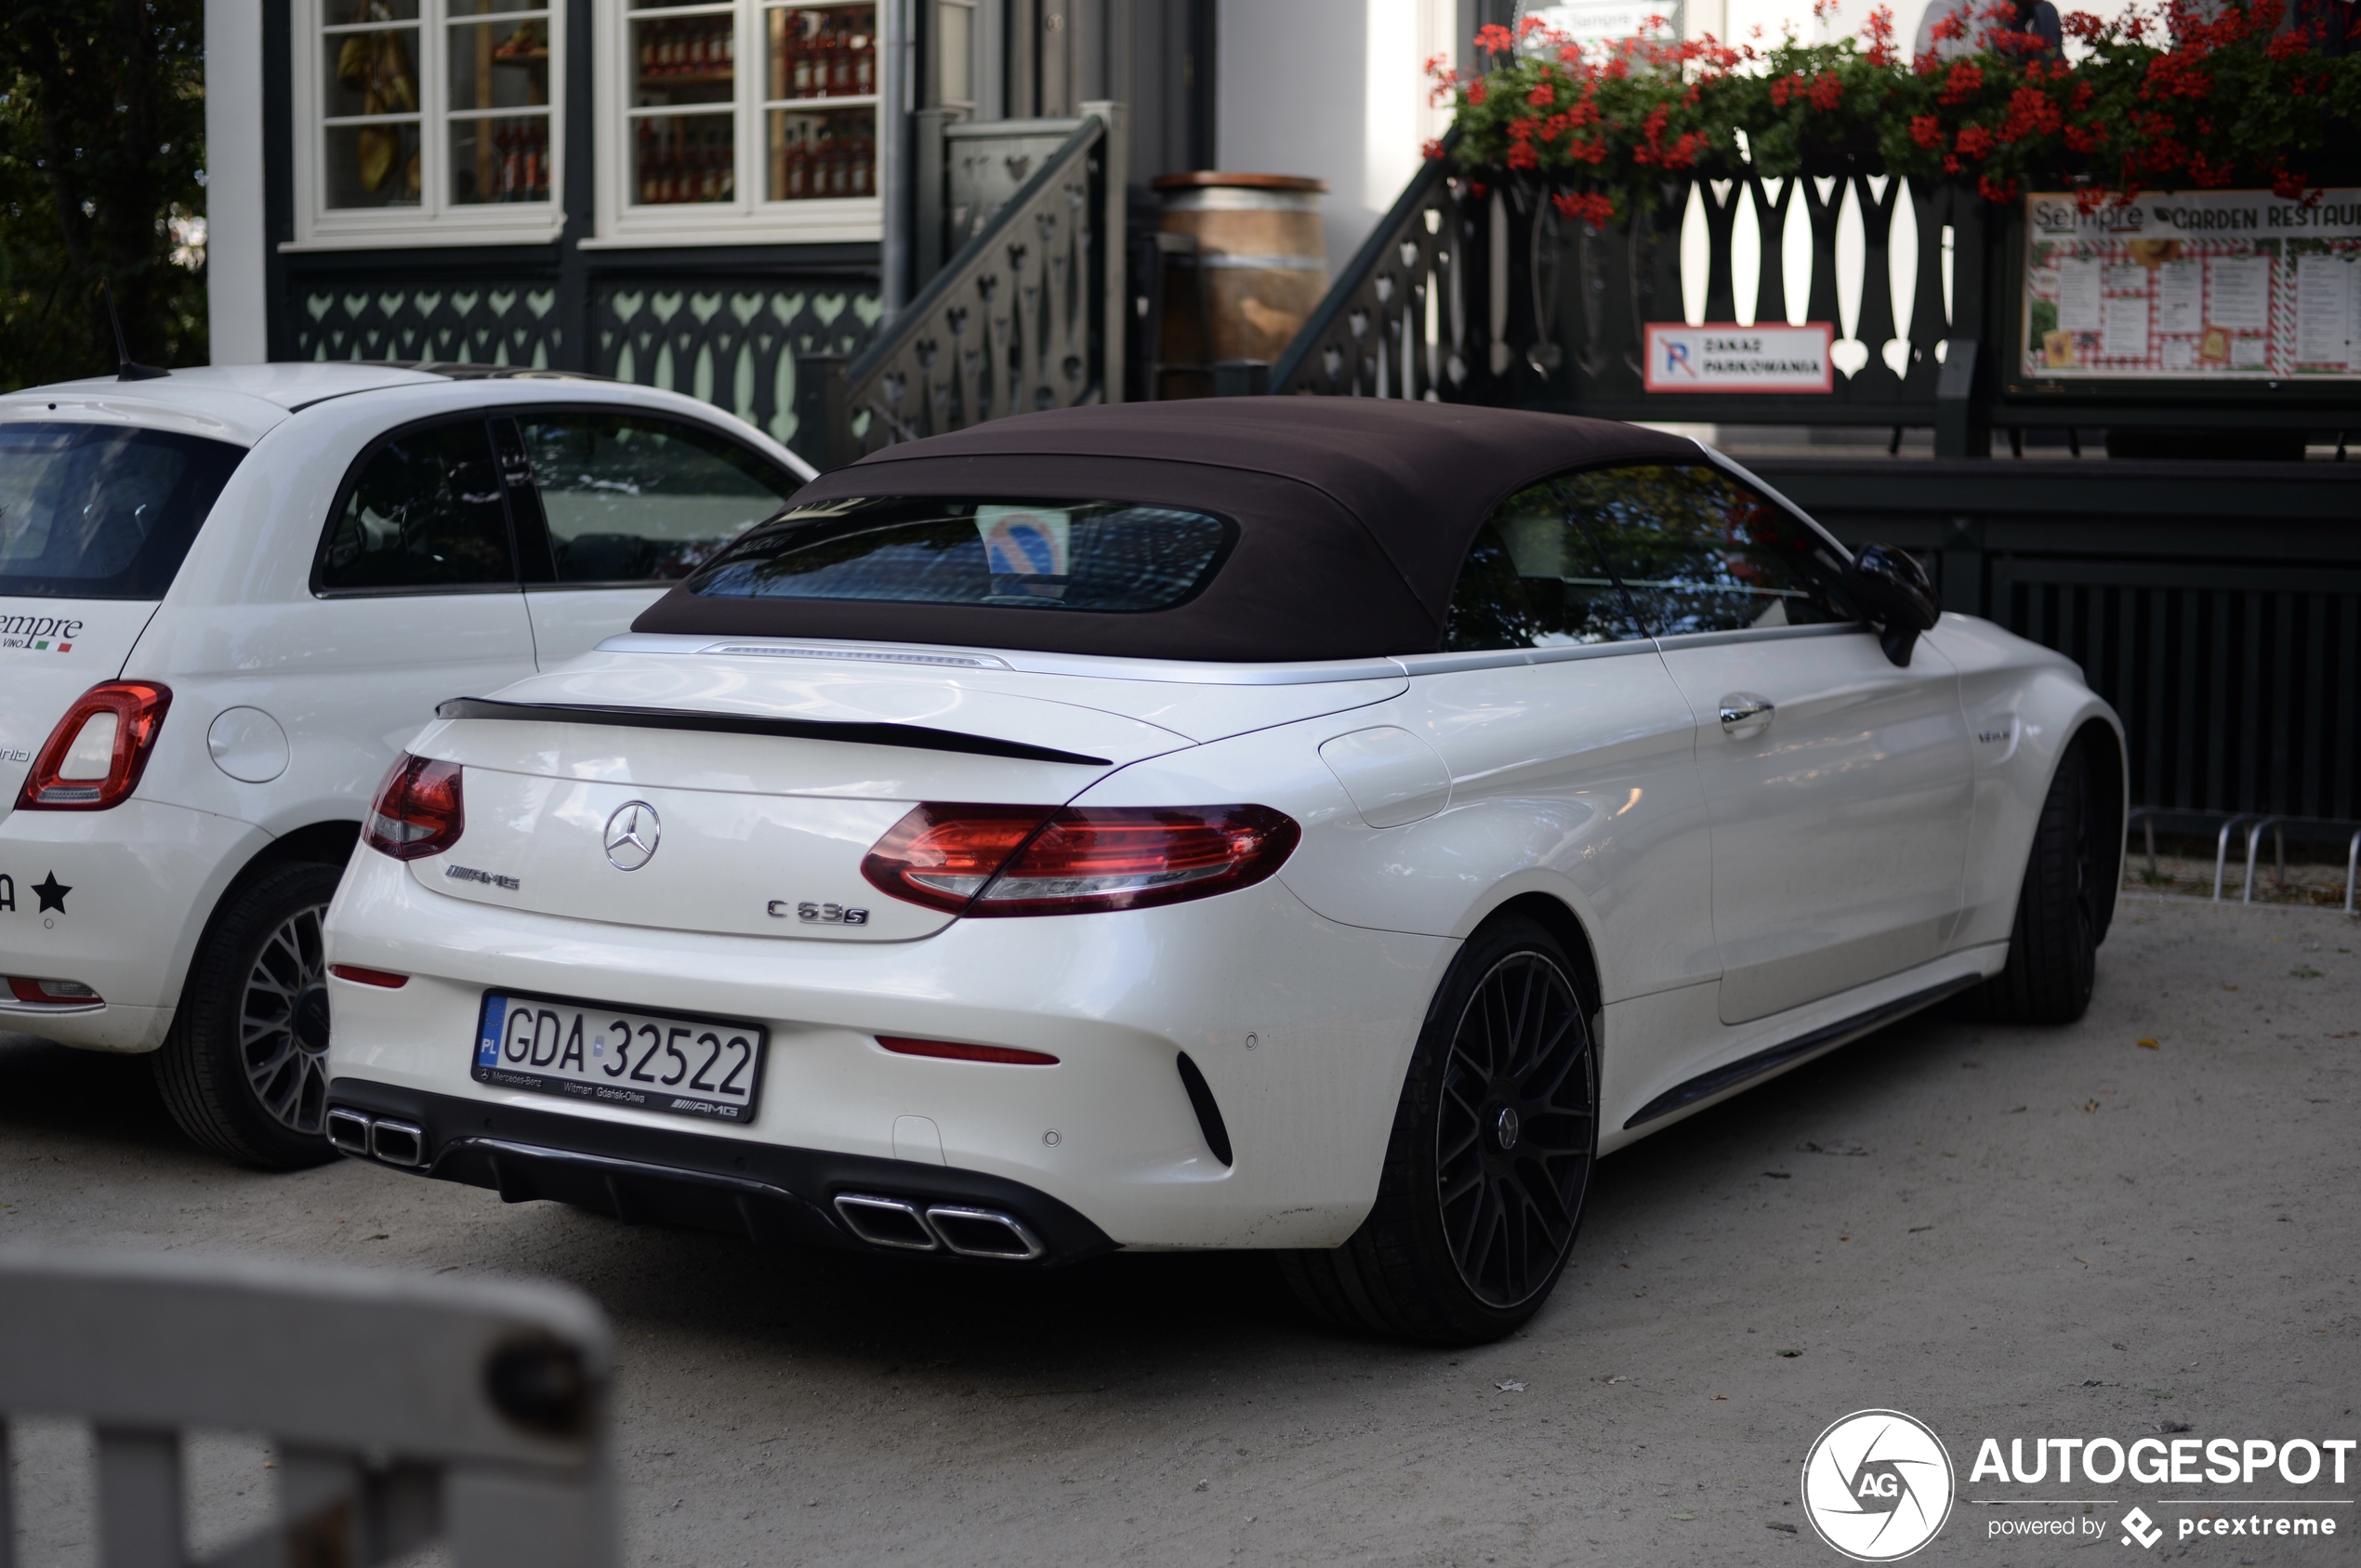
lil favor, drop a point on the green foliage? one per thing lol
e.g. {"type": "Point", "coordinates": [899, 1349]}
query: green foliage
{"type": "Point", "coordinates": [102, 145]}
{"type": "Point", "coordinates": [2167, 100]}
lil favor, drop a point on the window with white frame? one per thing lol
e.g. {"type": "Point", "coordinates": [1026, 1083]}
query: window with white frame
{"type": "Point", "coordinates": [741, 119]}
{"type": "Point", "coordinates": [432, 120]}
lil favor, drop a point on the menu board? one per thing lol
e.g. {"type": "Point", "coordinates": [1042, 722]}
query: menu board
{"type": "Point", "coordinates": [2198, 285]}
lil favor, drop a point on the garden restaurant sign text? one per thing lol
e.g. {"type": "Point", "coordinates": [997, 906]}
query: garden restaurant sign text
{"type": "Point", "coordinates": [2196, 286]}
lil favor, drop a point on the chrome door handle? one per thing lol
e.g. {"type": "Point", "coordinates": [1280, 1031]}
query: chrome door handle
{"type": "Point", "coordinates": [1744, 714]}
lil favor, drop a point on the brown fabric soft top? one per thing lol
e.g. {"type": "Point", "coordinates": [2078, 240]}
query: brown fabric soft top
{"type": "Point", "coordinates": [1353, 516]}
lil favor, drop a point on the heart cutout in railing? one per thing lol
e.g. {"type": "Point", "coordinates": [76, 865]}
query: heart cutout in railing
{"type": "Point", "coordinates": [1849, 354]}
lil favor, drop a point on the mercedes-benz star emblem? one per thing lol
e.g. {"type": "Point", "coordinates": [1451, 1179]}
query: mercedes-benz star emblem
{"type": "Point", "coordinates": [631, 835]}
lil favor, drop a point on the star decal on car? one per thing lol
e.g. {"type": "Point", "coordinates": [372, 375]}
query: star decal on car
{"type": "Point", "coordinates": [53, 894]}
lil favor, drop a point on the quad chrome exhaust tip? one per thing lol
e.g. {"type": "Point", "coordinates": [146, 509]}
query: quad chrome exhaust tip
{"type": "Point", "coordinates": [373, 1137]}
{"type": "Point", "coordinates": [901, 1226]}
{"type": "Point", "coordinates": [349, 1133]}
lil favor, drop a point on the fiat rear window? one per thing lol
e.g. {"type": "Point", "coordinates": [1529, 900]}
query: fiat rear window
{"type": "Point", "coordinates": [1101, 555]}
{"type": "Point", "coordinates": [98, 511]}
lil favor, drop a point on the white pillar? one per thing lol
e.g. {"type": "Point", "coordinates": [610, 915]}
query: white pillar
{"type": "Point", "coordinates": [234, 230]}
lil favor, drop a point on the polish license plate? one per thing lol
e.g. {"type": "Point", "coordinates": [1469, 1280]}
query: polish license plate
{"type": "Point", "coordinates": [705, 1068]}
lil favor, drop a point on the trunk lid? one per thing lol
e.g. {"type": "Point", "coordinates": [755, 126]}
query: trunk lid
{"type": "Point", "coordinates": [51, 651]}
{"type": "Point", "coordinates": [763, 834]}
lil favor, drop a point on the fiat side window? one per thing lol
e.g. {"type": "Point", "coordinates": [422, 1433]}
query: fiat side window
{"type": "Point", "coordinates": [633, 499]}
{"type": "Point", "coordinates": [1532, 579]}
{"type": "Point", "coordinates": [1700, 552]}
{"type": "Point", "coordinates": [425, 512]}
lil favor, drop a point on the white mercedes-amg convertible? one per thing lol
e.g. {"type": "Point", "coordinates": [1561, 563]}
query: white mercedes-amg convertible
{"type": "Point", "coordinates": [1310, 824]}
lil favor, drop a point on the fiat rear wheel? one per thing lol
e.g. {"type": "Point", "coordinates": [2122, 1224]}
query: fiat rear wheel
{"type": "Point", "coordinates": [1489, 1162]}
{"type": "Point", "coordinates": [244, 1068]}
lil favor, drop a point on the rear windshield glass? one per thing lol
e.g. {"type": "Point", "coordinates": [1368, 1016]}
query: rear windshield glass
{"type": "Point", "coordinates": [98, 512]}
{"type": "Point", "coordinates": [1106, 556]}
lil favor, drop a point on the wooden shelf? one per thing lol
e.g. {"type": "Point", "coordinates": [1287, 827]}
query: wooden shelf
{"type": "Point", "coordinates": [691, 79]}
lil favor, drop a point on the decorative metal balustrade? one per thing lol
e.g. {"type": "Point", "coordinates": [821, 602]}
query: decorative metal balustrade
{"type": "Point", "coordinates": [1026, 316]}
{"type": "Point", "coordinates": [490, 322]}
{"type": "Point", "coordinates": [734, 342]}
{"type": "Point", "coordinates": [1483, 291]}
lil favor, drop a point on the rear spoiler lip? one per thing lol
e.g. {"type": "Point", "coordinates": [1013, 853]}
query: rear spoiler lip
{"type": "Point", "coordinates": [916, 736]}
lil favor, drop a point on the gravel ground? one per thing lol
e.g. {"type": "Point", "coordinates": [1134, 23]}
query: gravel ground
{"type": "Point", "coordinates": [2002, 1231]}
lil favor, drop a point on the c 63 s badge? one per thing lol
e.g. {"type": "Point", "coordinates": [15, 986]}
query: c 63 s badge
{"type": "Point", "coordinates": [819, 914]}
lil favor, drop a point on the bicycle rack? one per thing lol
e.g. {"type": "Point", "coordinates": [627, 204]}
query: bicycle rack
{"type": "Point", "coordinates": [2222, 851]}
{"type": "Point", "coordinates": [2254, 837]}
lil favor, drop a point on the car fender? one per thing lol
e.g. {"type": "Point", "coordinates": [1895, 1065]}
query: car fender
{"type": "Point", "coordinates": [1441, 875]}
{"type": "Point", "coordinates": [2023, 705]}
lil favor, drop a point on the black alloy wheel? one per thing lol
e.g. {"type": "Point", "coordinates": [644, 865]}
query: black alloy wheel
{"type": "Point", "coordinates": [244, 1069]}
{"type": "Point", "coordinates": [282, 1034]}
{"type": "Point", "coordinates": [1514, 1139]}
{"type": "Point", "coordinates": [2064, 901]}
{"type": "Point", "coordinates": [1489, 1163]}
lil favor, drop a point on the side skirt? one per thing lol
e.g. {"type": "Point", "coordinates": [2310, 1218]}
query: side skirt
{"type": "Point", "coordinates": [1705, 1084]}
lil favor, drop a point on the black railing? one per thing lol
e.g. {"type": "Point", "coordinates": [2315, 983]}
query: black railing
{"type": "Point", "coordinates": [1480, 290]}
{"type": "Point", "coordinates": [1026, 316]}
{"type": "Point", "coordinates": [1475, 288]}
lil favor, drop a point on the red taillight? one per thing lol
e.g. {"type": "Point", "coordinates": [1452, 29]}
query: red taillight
{"type": "Point", "coordinates": [993, 860]}
{"type": "Point", "coordinates": [951, 1050]}
{"type": "Point", "coordinates": [95, 756]}
{"type": "Point", "coordinates": [52, 992]}
{"type": "Point", "coordinates": [418, 811]}
{"type": "Point", "coordinates": [360, 976]}
{"type": "Point", "coordinates": [942, 856]}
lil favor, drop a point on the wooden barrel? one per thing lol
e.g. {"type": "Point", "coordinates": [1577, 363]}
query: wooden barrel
{"type": "Point", "coordinates": [1261, 261]}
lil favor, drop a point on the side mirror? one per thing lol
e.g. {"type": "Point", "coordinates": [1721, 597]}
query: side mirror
{"type": "Point", "coordinates": [1894, 595]}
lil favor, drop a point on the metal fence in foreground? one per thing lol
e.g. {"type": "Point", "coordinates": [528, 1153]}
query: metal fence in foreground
{"type": "Point", "coordinates": [404, 1411]}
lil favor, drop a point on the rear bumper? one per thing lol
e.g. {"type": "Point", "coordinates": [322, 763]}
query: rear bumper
{"type": "Point", "coordinates": [1299, 1027]}
{"type": "Point", "coordinates": [127, 892]}
{"type": "Point", "coordinates": [658, 1176]}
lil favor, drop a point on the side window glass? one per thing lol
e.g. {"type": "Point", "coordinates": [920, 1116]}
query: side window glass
{"type": "Point", "coordinates": [1533, 580]}
{"type": "Point", "coordinates": [635, 500]}
{"type": "Point", "coordinates": [426, 512]}
{"type": "Point", "coordinates": [1700, 552]}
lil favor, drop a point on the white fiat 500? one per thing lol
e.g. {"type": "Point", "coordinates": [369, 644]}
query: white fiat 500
{"type": "Point", "coordinates": [1293, 824]}
{"type": "Point", "coordinates": [226, 597]}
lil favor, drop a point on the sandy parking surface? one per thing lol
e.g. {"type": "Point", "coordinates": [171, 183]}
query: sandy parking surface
{"type": "Point", "coordinates": [2001, 1231]}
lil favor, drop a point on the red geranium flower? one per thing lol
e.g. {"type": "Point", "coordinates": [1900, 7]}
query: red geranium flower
{"type": "Point", "coordinates": [1589, 208]}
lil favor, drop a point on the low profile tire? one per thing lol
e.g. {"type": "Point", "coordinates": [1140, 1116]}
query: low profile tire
{"type": "Point", "coordinates": [1489, 1162]}
{"type": "Point", "coordinates": [244, 1069]}
{"type": "Point", "coordinates": [2062, 910]}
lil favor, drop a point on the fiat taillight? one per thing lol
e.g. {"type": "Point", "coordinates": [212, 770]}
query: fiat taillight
{"type": "Point", "coordinates": [1005, 860]}
{"type": "Point", "coordinates": [418, 811]}
{"type": "Point", "coordinates": [94, 758]}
